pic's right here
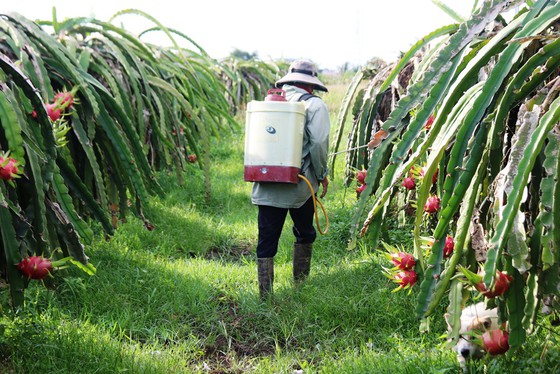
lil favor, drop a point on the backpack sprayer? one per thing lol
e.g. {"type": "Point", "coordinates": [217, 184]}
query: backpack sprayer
{"type": "Point", "coordinates": [273, 143]}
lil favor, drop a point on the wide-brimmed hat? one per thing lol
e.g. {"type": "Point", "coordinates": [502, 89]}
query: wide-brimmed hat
{"type": "Point", "coordinates": [302, 71]}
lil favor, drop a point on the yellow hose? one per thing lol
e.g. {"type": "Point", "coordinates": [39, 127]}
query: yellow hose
{"type": "Point", "coordinates": [315, 201]}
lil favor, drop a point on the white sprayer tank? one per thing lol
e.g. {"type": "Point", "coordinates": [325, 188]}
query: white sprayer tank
{"type": "Point", "coordinates": [273, 139]}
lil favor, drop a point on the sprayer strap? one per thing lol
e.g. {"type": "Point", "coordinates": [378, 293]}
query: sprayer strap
{"type": "Point", "coordinates": [306, 96]}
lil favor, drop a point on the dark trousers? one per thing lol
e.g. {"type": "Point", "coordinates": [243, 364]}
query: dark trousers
{"type": "Point", "coordinates": [271, 222]}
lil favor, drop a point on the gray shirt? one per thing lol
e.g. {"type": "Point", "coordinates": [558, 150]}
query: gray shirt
{"type": "Point", "coordinates": [314, 157]}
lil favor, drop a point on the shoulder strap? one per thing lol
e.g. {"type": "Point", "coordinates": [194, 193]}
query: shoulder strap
{"type": "Point", "coordinates": [306, 96]}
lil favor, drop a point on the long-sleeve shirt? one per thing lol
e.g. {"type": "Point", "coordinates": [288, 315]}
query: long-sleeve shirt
{"type": "Point", "coordinates": [314, 165]}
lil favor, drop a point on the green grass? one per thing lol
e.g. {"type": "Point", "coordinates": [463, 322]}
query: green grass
{"type": "Point", "coordinates": [183, 298]}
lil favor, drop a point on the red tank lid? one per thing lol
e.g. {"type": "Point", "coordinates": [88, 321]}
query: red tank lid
{"type": "Point", "coordinates": [276, 94]}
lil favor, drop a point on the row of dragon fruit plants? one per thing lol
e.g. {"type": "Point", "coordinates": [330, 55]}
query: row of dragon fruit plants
{"type": "Point", "coordinates": [89, 114]}
{"type": "Point", "coordinates": [461, 140]}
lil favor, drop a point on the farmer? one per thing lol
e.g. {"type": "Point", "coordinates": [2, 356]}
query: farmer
{"type": "Point", "coordinates": [275, 200]}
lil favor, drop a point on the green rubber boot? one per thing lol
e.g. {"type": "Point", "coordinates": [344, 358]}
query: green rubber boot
{"type": "Point", "coordinates": [302, 261]}
{"type": "Point", "coordinates": [265, 268]}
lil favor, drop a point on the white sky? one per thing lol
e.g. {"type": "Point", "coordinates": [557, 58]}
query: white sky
{"type": "Point", "coordinates": [329, 32]}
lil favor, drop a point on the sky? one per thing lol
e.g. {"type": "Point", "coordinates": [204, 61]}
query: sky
{"type": "Point", "coordinates": [331, 33]}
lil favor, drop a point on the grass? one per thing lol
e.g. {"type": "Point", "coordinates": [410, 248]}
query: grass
{"type": "Point", "coordinates": [183, 298]}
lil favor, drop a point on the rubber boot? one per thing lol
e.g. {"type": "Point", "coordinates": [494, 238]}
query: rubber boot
{"type": "Point", "coordinates": [265, 267]}
{"type": "Point", "coordinates": [302, 261]}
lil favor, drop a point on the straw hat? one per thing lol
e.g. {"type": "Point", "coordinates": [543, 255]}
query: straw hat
{"type": "Point", "coordinates": [302, 71]}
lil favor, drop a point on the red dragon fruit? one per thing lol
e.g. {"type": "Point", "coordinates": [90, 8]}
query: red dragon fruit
{"type": "Point", "coordinates": [403, 271]}
{"type": "Point", "coordinates": [409, 183]}
{"type": "Point", "coordinates": [64, 100]}
{"type": "Point", "coordinates": [434, 177]}
{"type": "Point", "coordinates": [8, 168]}
{"type": "Point", "coordinates": [429, 122]}
{"type": "Point", "coordinates": [432, 205]}
{"type": "Point", "coordinates": [495, 342]}
{"type": "Point", "coordinates": [501, 285]}
{"type": "Point", "coordinates": [35, 267]}
{"type": "Point", "coordinates": [449, 246]}
{"type": "Point", "coordinates": [405, 279]}
{"type": "Point", "coordinates": [53, 111]}
{"type": "Point", "coordinates": [192, 158]}
{"type": "Point", "coordinates": [501, 282]}
{"type": "Point", "coordinates": [361, 176]}
{"type": "Point", "coordinates": [361, 189]}
{"type": "Point", "coordinates": [403, 260]}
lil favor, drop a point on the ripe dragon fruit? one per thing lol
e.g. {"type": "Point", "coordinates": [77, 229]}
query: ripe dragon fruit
{"type": "Point", "coordinates": [501, 285]}
{"type": "Point", "coordinates": [403, 260]}
{"type": "Point", "coordinates": [432, 205]}
{"type": "Point", "coordinates": [403, 271]}
{"type": "Point", "coordinates": [361, 176]}
{"type": "Point", "coordinates": [449, 246]}
{"type": "Point", "coordinates": [53, 111]}
{"type": "Point", "coordinates": [501, 282]}
{"type": "Point", "coordinates": [405, 279]}
{"type": "Point", "coordinates": [8, 168]}
{"type": "Point", "coordinates": [409, 183]}
{"type": "Point", "coordinates": [495, 342]}
{"type": "Point", "coordinates": [434, 177]}
{"type": "Point", "coordinates": [361, 189]}
{"type": "Point", "coordinates": [429, 122]}
{"type": "Point", "coordinates": [38, 267]}
{"type": "Point", "coordinates": [35, 267]}
{"type": "Point", "coordinates": [192, 158]}
{"type": "Point", "coordinates": [63, 101]}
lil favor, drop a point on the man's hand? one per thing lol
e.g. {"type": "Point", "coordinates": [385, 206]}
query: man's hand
{"type": "Point", "coordinates": [325, 184]}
